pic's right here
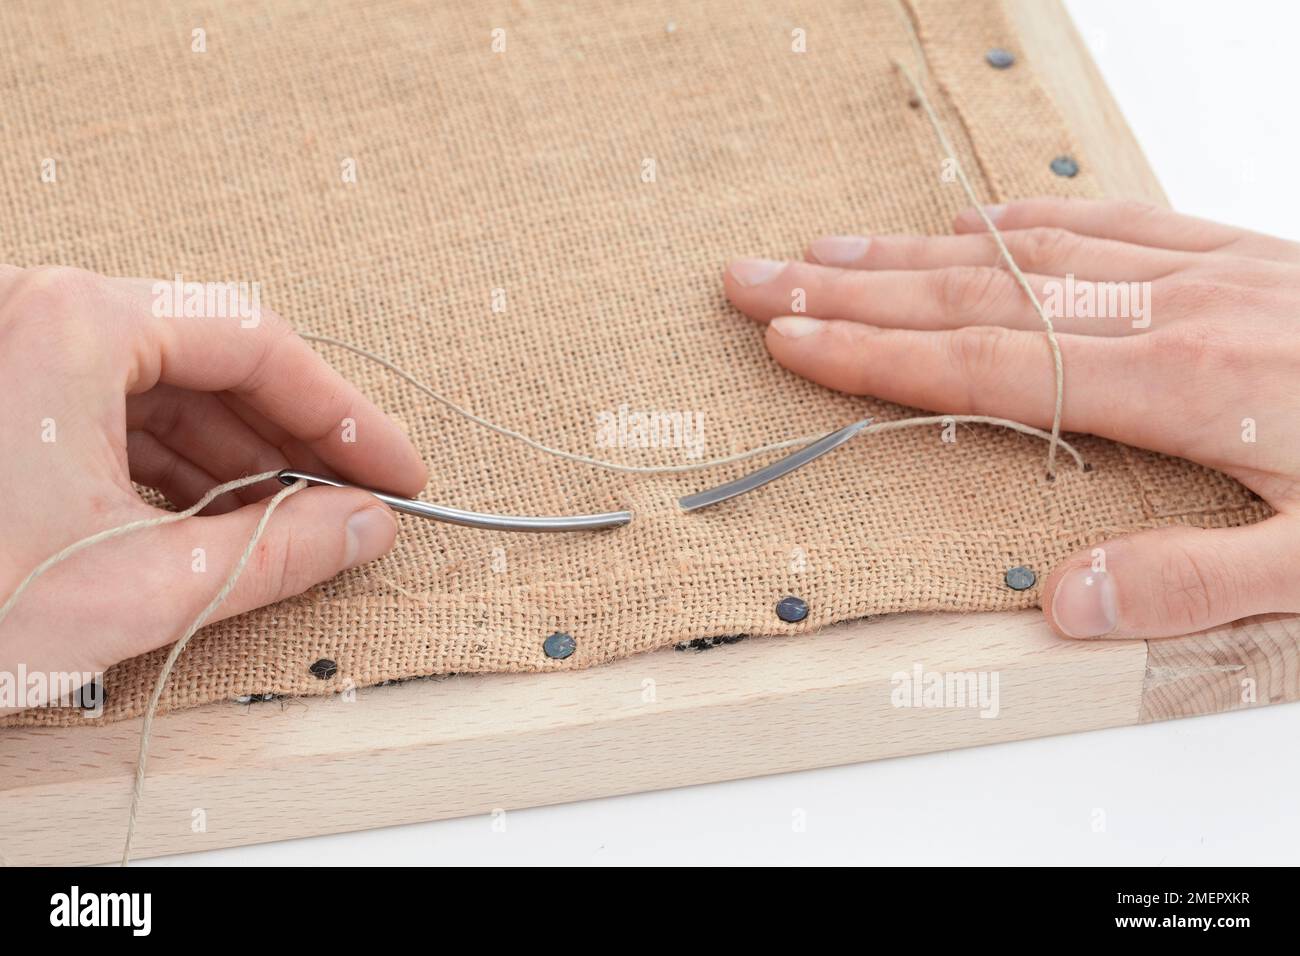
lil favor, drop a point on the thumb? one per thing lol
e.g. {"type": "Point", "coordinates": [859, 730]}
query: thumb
{"type": "Point", "coordinates": [1175, 581]}
{"type": "Point", "coordinates": [312, 536]}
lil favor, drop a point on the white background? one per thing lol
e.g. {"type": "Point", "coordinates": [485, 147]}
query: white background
{"type": "Point", "coordinates": [1208, 87]}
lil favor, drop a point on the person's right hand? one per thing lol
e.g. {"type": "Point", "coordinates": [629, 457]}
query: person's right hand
{"type": "Point", "coordinates": [98, 390]}
{"type": "Point", "coordinates": [937, 322]}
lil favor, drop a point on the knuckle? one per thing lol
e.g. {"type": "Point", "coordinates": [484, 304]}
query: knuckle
{"type": "Point", "coordinates": [284, 568]}
{"type": "Point", "coordinates": [55, 286]}
{"type": "Point", "coordinates": [265, 576]}
{"type": "Point", "coordinates": [1130, 209]}
{"type": "Point", "coordinates": [1189, 591]}
{"type": "Point", "coordinates": [1189, 345]}
{"type": "Point", "coordinates": [272, 323]}
{"type": "Point", "coordinates": [53, 304]}
{"type": "Point", "coordinates": [1238, 291]}
{"type": "Point", "coordinates": [166, 474]}
{"type": "Point", "coordinates": [272, 339]}
{"type": "Point", "coordinates": [1047, 246]}
{"type": "Point", "coordinates": [969, 291]}
{"type": "Point", "coordinates": [977, 354]}
{"type": "Point", "coordinates": [1199, 353]}
{"type": "Point", "coordinates": [1193, 294]}
{"type": "Point", "coordinates": [167, 420]}
{"type": "Point", "coordinates": [299, 561]}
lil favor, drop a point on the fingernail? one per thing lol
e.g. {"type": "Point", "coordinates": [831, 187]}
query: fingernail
{"type": "Point", "coordinates": [369, 533]}
{"type": "Point", "coordinates": [795, 326]}
{"type": "Point", "coordinates": [839, 250]}
{"type": "Point", "coordinates": [755, 271]}
{"type": "Point", "coordinates": [1084, 603]}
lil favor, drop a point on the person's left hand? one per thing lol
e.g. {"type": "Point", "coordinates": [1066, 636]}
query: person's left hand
{"type": "Point", "coordinates": [939, 322]}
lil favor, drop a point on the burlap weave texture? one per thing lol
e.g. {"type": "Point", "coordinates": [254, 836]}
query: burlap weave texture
{"type": "Point", "coordinates": [519, 176]}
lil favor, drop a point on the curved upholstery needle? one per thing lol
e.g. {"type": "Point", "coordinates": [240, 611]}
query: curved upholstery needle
{"type": "Point", "coordinates": [755, 479]}
{"type": "Point", "coordinates": [471, 519]}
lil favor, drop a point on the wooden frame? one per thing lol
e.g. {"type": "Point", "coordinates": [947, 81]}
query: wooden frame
{"type": "Point", "coordinates": [230, 774]}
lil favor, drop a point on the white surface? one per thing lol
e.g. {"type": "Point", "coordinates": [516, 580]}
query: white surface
{"type": "Point", "coordinates": [1200, 791]}
{"type": "Point", "coordinates": [1208, 88]}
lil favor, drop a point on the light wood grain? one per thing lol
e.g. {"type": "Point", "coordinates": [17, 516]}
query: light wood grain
{"type": "Point", "coordinates": [1054, 50]}
{"type": "Point", "coordinates": [434, 749]}
{"type": "Point", "coordinates": [1246, 664]}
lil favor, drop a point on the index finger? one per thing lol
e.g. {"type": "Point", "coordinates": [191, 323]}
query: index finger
{"type": "Point", "coordinates": [253, 353]}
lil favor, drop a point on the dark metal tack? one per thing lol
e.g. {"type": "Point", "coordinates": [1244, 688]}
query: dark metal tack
{"type": "Point", "coordinates": [559, 646]}
{"type": "Point", "coordinates": [792, 609]}
{"type": "Point", "coordinates": [999, 58]}
{"type": "Point", "coordinates": [324, 669]}
{"type": "Point", "coordinates": [1021, 578]}
{"type": "Point", "coordinates": [1065, 166]}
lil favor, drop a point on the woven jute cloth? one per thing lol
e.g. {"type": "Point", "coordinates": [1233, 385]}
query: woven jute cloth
{"type": "Point", "coordinates": [539, 232]}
